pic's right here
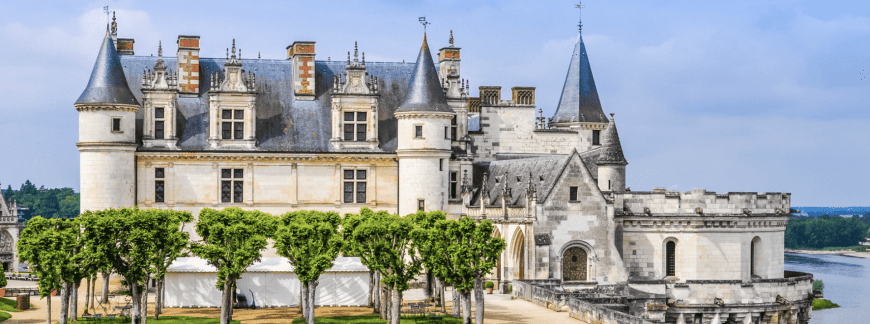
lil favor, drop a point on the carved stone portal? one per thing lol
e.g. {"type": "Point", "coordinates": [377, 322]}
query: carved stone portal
{"type": "Point", "coordinates": [574, 264]}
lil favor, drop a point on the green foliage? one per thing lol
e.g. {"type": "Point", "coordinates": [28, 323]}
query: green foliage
{"type": "Point", "coordinates": [467, 250]}
{"type": "Point", "coordinates": [375, 319]}
{"type": "Point", "coordinates": [824, 231]}
{"type": "Point", "coordinates": [823, 304]}
{"type": "Point", "coordinates": [2, 281]}
{"type": "Point", "coordinates": [47, 244]}
{"type": "Point", "coordinates": [510, 287]}
{"type": "Point", "coordinates": [232, 240]}
{"type": "Point", "coordinates": [383, 243]}
{"type": "Point", "coordinates": [310, 240]}
{"type": "Point", "coordinates": [4, 316]}
{"type": "Point", "coordinates": [488, 284]}
{"type": "Point", "coordinates": [818, 285]}
{"type": "Point", "coordinates": [48, 203]}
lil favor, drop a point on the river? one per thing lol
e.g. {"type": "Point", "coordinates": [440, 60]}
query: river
{"type": "Point", "coordinates": [847, 283]}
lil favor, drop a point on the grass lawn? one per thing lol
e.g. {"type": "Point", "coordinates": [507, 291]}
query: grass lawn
{"type": "Point", "coordinates": [823, 304]}
{"type": "Point", "coordinates": [168, 320]}
{"type": "Point", "coordinates": [4, 316]}
{"type": "Point", "coordinates": [373, 319]}
{"type": "Point", "coordinates": [8, 305]}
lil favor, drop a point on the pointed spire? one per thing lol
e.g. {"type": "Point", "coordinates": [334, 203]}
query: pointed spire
{"type": "Point", "coordinates": [579, 94]}
{"type": "Point", "coordinates": [424, 88]}
{"type": "Point", "coordinates": [108, 85]}
{"type": "Point", "coordinates": [611, 149]}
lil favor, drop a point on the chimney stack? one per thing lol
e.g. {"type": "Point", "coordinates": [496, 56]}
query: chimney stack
{"type": "Point", "coordinates": [302, 54]}
{"type": "Point", "coordinates": [125, 46]}
{"type": "Point", "coordinates": [188, 64]}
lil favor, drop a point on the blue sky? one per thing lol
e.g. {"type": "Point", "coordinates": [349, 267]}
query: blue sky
{"type": "Point", "coordinates": [764, 96]}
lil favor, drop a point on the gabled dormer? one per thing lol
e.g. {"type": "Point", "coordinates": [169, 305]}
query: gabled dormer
{"type": "Point", "coordinates": [232, 100]}
{"type": "Point", "coordinates": [160, 99]}
{"type": "Point", "coordinates": [355, 106]}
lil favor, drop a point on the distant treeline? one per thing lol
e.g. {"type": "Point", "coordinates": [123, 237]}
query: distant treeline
{"type": "Point", "coordinates": [833, 211]}
{"type": "Point", "coordinates": [826, 231]}
{"type": "Point", "coordinates": [48, 203]}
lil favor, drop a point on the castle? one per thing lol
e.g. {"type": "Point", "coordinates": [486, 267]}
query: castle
{"type": "Point", "coordinates": [277, 135]}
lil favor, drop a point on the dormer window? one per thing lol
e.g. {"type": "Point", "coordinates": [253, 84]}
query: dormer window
{"type": "Point", "coordinates": [232, 106]}
{"type": "Point", "coordinates": [232, 124]}
{"type": "Point", "coordinates": [355, 106]}
{"type": "Point", "coordinates": [158, 123]}
{"type": "Point", "coordinates": [160, 96]}
{"type": "Point", "coordinates": [355, 124]}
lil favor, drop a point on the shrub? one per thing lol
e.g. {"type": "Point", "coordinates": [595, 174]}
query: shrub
{"type": "Point", "coordinates": [2, 281]}
{"type": "Point", "coordinates": [510, 287]}
{"type": "Point", "coordinates": [488, 284]}
{"type": "Point", "coordinates": [823, 304]}
{"type": "Point", "coordinates": [818, 285]}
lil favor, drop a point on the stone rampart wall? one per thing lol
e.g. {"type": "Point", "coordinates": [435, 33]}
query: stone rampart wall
{"type": "Point", "coordinates": [702, 202]}
{"type": "Point", "coordinates": [543, 293]}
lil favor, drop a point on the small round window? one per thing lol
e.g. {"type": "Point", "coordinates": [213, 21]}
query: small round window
{"type": "Point", "coordinates": [574, 258]}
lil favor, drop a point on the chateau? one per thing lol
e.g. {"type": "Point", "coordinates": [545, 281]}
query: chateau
{"type": "Point", "coordinates": [298, 133]}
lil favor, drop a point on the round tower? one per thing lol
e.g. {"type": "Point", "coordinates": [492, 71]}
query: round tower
{"type": "Point", "coordinates": [107, 128]}
{"type": "Point", "coordinates": [423, 139]}
{"type": "Point", "coordinates": [611, 162]}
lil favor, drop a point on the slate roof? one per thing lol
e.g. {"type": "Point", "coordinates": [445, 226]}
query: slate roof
{"type": "Point", "coordinates": [107, 84]}
{"type": "Point", "coordinates": [611, 149]}
{"type": "Point", "coordinates": [284, 124]}
{"type": "Point", "coordinates": [579, 101]}
{"type": "Point", "coordinates": [425, 93]}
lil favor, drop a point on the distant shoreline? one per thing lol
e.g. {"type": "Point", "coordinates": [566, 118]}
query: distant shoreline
{"type": "Point", "coordinates": [848, 253]}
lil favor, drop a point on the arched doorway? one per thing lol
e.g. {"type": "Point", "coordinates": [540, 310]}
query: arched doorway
{"type": "Point", "coordinates": [519, 253]}
{"type": "Point", "coordinates": [497, 234]}
{"type": "Point", "coordinates": [574, 264]}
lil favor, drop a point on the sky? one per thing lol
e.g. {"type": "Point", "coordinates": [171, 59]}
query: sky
{"type": "Point", "coordinates": [764, 96]}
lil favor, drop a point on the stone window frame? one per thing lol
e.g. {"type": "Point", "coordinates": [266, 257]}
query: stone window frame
{"type": "Point", "coordinates": [418, 135]}
{"type": "Point", "coordinates": [120, 128]}
{"type": "Point", "coordinates": [453, 188]}
{"type": "Point", "coordinates": [591, 258]}
{"type": "Point", "coordinates": [160, 184]}
{"type": "Point", "coordinates": [756, 266]}
{"type": "Point", "coordinates": [576, 194]}
{"type": "Point", "coordinates": [665, 257]}
{"type": "Point", "coordinates": [355, 181]}
{"type": "Point", "coordinates": [421, 204]}
{"type": "Point", "coordinates": [246, 173]}
{"type": "Point", "coordinates": [356, 124]}
{"type": "Point", "coordinates": [162, 121]}
{"type": "Point", "coordinates": [596, 137]}
{"type": "Point", "coordinates": [233, 122]}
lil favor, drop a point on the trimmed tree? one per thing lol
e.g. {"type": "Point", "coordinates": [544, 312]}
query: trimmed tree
{"type": "Point", "coordinates": [232, 240]}
{"type": "Point", "coordinates": [44, 245]}
{"type": "Point", "coordinates": [427, 248]}
{"type": "Point", "coordinates": [353, 248]}
{"type": "Point", "coordinates": [310, 240]}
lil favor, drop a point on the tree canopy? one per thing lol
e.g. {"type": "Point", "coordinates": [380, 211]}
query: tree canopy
{"type": "Point", "coordinates": [48, 203]}
{"type": "Point", "coordinates": [825, 231]}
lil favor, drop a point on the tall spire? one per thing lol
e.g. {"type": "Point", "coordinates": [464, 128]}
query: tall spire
{"type": "Point", "coordinates": [579, 101]}
{"type": "Point", "coordinates": [107, 85]}
{"type": "Point", "coordinates": [424, 88]}
{"type": "Point", "coordinates": [611, 149]}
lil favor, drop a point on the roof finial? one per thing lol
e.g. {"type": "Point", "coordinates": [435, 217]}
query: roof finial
{"type": "Point", "coordinates": [258, 55]}
{"type": "Point", "coordinates": [234, 48]}
{"type": "Point", "coordinates": [451, 38]}
{"type": "Point", "coordinates": [355, 53]}
{"type": "Point", "coordinates": [348, 57]}
{"type": "Point", "coordinates": [114, 25]}
{"type": "Point", "coordinates": [580, 6]}
{"type": "Point", "coordinates": [425, 23]}
{"type": "Point", "coordinates": [611, 115]}
{"type": "Point", "coordinates": [159, 49]}
{"type": "Point", "coordinates": [363, 58]}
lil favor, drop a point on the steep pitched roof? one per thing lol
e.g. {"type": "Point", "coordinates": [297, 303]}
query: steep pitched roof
{"type": "Point", "coordinates": [107, 85]}
{"type": "Point", "coordinates": [611, 149]}
{"type": "Point", "coordinates": [424, 90]}
{"type": "Point", "coordinates": [579, 101]}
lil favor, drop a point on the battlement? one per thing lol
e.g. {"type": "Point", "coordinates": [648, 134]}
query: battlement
{"type": "Point", "coordinates": [491, 96]}
{"type": "Point", "coordinates": [700, 202]}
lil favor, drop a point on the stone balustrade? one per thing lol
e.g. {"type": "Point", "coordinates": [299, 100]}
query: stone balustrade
{"type": "Point", "coordinates": [702, 203]}
{"type": "Point", "coordinates": [545, 293]}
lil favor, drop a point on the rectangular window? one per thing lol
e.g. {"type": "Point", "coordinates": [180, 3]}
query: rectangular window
{"type": "Point", "coordinates": [440, 164]}
{"type": "Point", "coordinates": [158, 185]}
{"type": "Point", "coordinates": [158, 113]}
{"type": "Point", "coordinates": [116, 124]}
{"type": "Point", "coordinates": [354, 186]}
{"type": "Point", "coordinates": [232, 124]}
{"type": "Point", "coordinates": [348, 132]}
{"type": "Point", "coordinates": [453, 128]}
{"type": "Point", "coordinates": [596, 137]}
{"type": "Point", "coordinates": [572, 194]}
{"type": "Point", "coordinates": [232, 185]}
{"type": "Point", "coordinates": [608, 184]}
{"type": "Point", "coordinates": [418, 131]}
{"type": "Point", "coordinates": [355, 124]}
{"type": "Point", "coordinates": [446, 132]}
{"type": "Point", "coordinates": [454, 183]}
{"type": "Point", "coordinates": [421, 204]}
{"type": "Point", "coordinates": [158, 123]}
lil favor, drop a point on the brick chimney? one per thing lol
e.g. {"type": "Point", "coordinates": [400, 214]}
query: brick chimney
{"type": "Point", "coordinates": [125, 46]}
{"type": "Point", "coordinates": [188, 64]}
{"type": "Point", "coordinates": [302, 55]}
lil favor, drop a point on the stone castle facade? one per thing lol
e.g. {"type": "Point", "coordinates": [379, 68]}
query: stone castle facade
{"type": "Point", "coordinates": [278, 135]}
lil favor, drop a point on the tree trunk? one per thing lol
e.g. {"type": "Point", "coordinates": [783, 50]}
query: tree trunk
{"type": "Point", "coordinates": [457, 305]}
{"type": "Point", "coordinates": [427, 288]}
{"type": "Point", "coordinates": [466, 306]}
{"type": "Point", "coordinates": [48, 308]}
{"type": "Point", "coordinates": [441, 296]}
{"type": "Point", "coordinates": [478, 300]}
{"type": "Point", "coordinates": [303, 300]}
{"type": "Point", "coordinates": [105, 293]}
{"type": "Point", "coordinates": [144, 301]}
{"type": "Point", "coordinates": [312, 294]}
{"type": "Point", "coordinates": [64, 303]}
{"type": "Point", "coordinates": [396, 306]}
{"type": "Point", "coordinates": [158, 303]}
{"type": "Point", "coordinates": [88, 294]}
{"type": "Point", "coordinates": [371, 288]}
{"type": "Point", "coordinates": [134, 291]}
{"type": "Point", "coordinates": [376, 292]}
{"type": "Point", "coordinates": [74, 301]}
{"type": "Point", "coordinates": [225, 298]}
{"type": "Point", "coordinates": [383, 300]}
{"type": "Point", "coordinates": [93, 293]}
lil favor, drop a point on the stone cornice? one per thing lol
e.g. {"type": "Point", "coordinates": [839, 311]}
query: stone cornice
{"type": "Point", "coordinates": [681, 223]}
{"type": "Point", "coordinates": [96, 107]}
{"type": "Point", "coordinates": [267, 157]}
{"type": "Point", "coordinates": [425, 114]}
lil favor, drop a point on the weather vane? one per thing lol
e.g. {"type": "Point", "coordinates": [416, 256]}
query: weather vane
{"type": "Point", "coordinates": [106, 10]}
{"type": "Point", "coordinates": [423, 21]}
{"type": "Point", "coordinates": [580, 6]}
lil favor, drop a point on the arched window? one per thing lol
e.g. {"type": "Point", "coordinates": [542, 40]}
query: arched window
{"type": "Point", "coordinates": [574, 264]}
{"type": "Point", "coordinates": [754, 255]}
{"type": "Point", "coordinates": [671, 259]}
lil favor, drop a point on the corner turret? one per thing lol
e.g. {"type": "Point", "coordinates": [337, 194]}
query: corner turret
{"type": "Point", "coordinates": [611, 162]}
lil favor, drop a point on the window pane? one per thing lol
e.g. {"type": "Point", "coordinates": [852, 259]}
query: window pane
{"type": "Point", "coordinates": [158, 191]}
{"type": "Point", "coordinates": [596, 137]}
{"type": "Point", "coordinates": [158, 129]}
{"type": "Point", "coordinates": [360, 132]}
{"type": "Point", "coordinates": [158, 112]}
{"type": "Point", "coordinates": [453, 190]}
{"type": "Point", "coordinates": [348, 174]}
{"type": "Point", "coordinates": [116, 124]}
{"type": "Point", "coordinates": [421, 204]}
{"type": "Point", "coordinates": [573, 194]}
{"type": "Point", "coordinates": [227, 114]}
{"type": "Point", "coordinates": [418, 131]}
{"type": "Point", "coordinates": [348, 192]}
{"type": "Point", "coordinates": [225, 191]}
{"type": "Point", "coordinates": [348, 132]}
{"type": "Point", "coordinates": [238, 173]}
{"type": "Point", "coordinates": [446, 132]}
{"type": "Point", "coordinates": [348, 116]}
{"type": "Point", "coordinates": [360, 174]}
{"type": "Point", "coordinates": [361, 192]}
{"type": "Point", "coordinates": [158, 173]}
{"type": "Point", "coordinates": [226, 130]}
{"type": "Point", "coordinates": [453, 121]}
{"type": "Point", "coordinates": [454, 176]}
{"type": "Point", "coordinates": [240, 114]}
{"type": "Point", "coordinates": [237, 191]}
{"type": "Point", "coordinates": [226, 173]}
{"type": "Point", "coordinates": [238, 132]}
{"type": "Point", "coordinates": [361, 116]}
{"type": "Point", "coordinates": [453, 133]}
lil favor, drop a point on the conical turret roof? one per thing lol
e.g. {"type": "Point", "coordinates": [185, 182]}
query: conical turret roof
{"type": "Point", "coordinates": [107, 85]}
{"type": "Point", "coordinates": [611, 149]}
{"type": "Point", "coordinates": [579, 101]}
{"type": "Point", "coordinates": [424, 89]}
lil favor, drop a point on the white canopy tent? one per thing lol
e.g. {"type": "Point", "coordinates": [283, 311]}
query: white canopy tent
{"type": "Point", "coordinates": [190, 282]}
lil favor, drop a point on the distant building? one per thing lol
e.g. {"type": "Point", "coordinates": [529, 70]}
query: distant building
{"type": "Point", "coordinates": [279, 135]}
{"type": "Point", "coordinates": [9, 231]}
